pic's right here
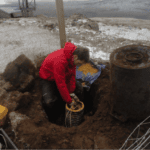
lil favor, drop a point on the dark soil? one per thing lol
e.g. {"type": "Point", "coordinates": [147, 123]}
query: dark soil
{"type": "Point", "coordinates": [100, 131]}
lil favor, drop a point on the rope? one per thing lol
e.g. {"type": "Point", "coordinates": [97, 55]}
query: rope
{"type": "Point", "coordinates": [67, 117]}
{"type": "Point", "coordinates": [70, 119]}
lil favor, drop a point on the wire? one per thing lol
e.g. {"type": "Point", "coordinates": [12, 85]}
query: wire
{"type": "Point", "coordinates": [4, 140]}
{"type": "Point", "coordinates": [139, 142]}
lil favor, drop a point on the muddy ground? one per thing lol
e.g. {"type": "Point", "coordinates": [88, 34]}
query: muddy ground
{"type": "Point", "coordinates": [100, 131]}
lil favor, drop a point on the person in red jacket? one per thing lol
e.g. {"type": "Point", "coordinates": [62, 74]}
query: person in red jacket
{"type": "Point", "coordinates": [58, 72]}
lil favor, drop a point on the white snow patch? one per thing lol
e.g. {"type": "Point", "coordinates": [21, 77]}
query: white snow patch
{"type": "Point", "coordinates": [125, 32]}
{"type": "Point", "coordinates": [100, 54]}
{"type": "Point", "coordinates": [82, 20]}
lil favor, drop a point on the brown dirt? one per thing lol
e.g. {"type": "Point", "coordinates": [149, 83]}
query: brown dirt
{"type": "Point", "coordinates": [100, 131]}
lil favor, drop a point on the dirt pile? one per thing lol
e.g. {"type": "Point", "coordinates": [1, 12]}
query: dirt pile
{"type": "Point", "coordinates": [98, 131]}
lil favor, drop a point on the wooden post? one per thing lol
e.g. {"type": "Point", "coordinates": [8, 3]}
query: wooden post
{"type": "Point", "coordinates": [61, 22]}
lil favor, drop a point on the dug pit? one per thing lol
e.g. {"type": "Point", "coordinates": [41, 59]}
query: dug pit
{"type": "Point", "coordinates": [100, 131]}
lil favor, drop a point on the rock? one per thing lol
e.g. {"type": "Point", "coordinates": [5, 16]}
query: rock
{"type": "Point", "coordinates": [91, 25]}
{"type": "Point", "coordinates": [19, 71]}
{"type": "Point", "coordinates": [80, 20]}
{"type": "Point", "coordinates": [51, 25]}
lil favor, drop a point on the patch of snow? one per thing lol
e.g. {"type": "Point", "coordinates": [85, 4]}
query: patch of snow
{"type": "Point", "coordinates": [16, 118]}
{"type": "Point", "coordinates": [82, 20]}
{"type": "Point", "coordinates": [100, 54]}
{"type": "Point", "coordinates": [24, 22]}
{"type": "Point", "coordinates": [125, 32]}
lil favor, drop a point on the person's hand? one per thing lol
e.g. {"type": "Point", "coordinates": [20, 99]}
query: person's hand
{"type": "Point", "coordinates": [71, 104]}
{"type": "Point", "coordinates": [72, 95]}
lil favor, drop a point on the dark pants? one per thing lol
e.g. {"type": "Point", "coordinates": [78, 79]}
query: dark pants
{"type": "Point", "coordinates": [52, 99]}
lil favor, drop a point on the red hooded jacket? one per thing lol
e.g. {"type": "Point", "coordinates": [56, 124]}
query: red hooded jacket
{"type": "Point", "coordinates": [59, 66]}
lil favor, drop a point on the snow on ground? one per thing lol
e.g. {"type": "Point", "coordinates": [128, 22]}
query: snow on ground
{"type": "Point", "coordinates": [29, 33]}
{"type": "Point", "coordinates": [107, 33]}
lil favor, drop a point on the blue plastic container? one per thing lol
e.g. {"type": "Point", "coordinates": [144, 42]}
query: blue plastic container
{"type": "Point", "coordinates": [89, 79]}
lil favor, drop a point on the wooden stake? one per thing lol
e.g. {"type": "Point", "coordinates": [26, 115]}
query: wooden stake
{"type": "Point", "coordinates": [61, 22]}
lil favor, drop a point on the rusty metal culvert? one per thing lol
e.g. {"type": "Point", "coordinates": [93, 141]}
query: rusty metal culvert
{"type": "Point", "coordinates": [130, 81]}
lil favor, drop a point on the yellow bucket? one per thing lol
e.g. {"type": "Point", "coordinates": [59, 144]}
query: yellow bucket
{"type": "Point", "coordinates": [3, 114]}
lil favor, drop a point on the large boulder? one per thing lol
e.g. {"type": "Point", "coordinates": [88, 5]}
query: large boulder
{"type": "Point", "coordinates": [80, 20]}
{"type": "Point", "coordinates": [20, 73]}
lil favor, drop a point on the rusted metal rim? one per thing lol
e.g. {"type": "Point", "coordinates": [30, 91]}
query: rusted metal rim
{"type": "Point", "coordinates": [136, 56]}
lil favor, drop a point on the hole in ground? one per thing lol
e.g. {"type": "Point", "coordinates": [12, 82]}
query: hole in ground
{"type": "Point", "coordinates": [57, 113]}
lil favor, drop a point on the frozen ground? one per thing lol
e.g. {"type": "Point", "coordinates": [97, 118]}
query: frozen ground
{"type": "Point", "coordinates": [28, 36]}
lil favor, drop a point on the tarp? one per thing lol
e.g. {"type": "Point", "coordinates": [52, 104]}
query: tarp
{"type": "Point", "coordinates": [89, 79]}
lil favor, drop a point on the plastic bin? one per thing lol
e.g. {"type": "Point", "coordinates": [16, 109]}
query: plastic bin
{"type": "Point", "coordinates": [3, 114]}
{"type": "Point", "coordinates": [10, 144]}
{"type": "Point", "coordinates": [89, 79]}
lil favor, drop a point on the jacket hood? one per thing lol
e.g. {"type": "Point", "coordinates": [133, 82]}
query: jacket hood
{"type": "Point", "coordinates": [69, 48]}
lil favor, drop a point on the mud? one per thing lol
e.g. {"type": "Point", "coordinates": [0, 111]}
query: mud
{"type": "Point", "coordinates": [99, 131]}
